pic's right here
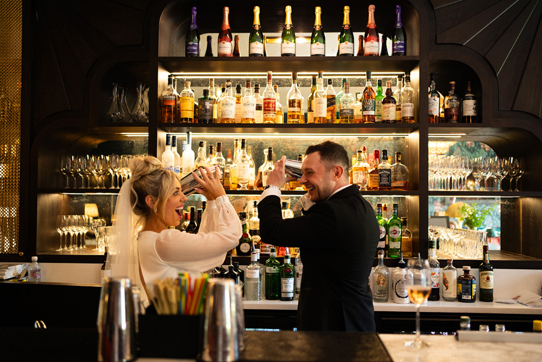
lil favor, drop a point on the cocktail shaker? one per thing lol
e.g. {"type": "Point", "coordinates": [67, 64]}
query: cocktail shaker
{"type": "Point", "coordinates": [116, 322]}
{"type": "Point", "coordinates": [220, 333]}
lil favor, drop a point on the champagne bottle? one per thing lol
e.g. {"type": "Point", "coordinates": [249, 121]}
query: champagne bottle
{"type": "Point", "coordinates": [192, 38]}
{"type": "Point", "coordinates": [256, 36]}
{"type": "Point", "coordinates": [288, 35]}
{"type": "Point", "coordinates": [372, 39]}
{"type": "Point", "coordinates": [399, 40]}
{"type": "Point", "coordinates": [318, 39]}
{"type": "Point", "coordinates": [346, 40]}
{"type": "Point", "coordinates": [225, 48]}
{"type": "Point", "coordinates": [236, 52]}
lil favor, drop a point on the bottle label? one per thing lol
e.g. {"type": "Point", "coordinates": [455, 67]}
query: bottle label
{"type": "Point", "coordinates": [435, 277]}
{"type": "Point", "coordinates": [371, 47]}
{"type": "Point", "coordinates": [331, 101]}
{"type": "Point", "coordinates": [294, 106]}
{"type": "Point", "coordinates": [269, 107]}
{"type": "Point", "coordinates": [398, 46]}
{"type": "Point", "coordinates": [399, 184]}
{"type": "Point", "coordinates": [35, 274]}
{"type": "Point", "coordinates": [359, 177]}
{"type": "Point", "coordinates": [395, 233]}
{"type": "Point", "coordinates": [434, 106]}
{"type": "Point", "coordinates": [378, 110]}
{"type": "Point", "coordinates": [388, 112]}
{"type": "Point", "coordinates": [177, 170]}
{"type": "Point", "coordinates": [187, 107]}
{"type": "Point", "coordinates": [192, 48]}
{"type": "Point", "coordinates": [206, 110]}
{"type": "Point", "coordinates": [369, 106]}
{"type": "Point", "coordinates": [320, 107]}
{"type": "Point", "coordinates": [168, 100]}
{"type": "Point", "coordinates": [466, 289]}
{"type": "Point", "coordinates": [287, 287]}
{"type": "Point", "coordinates": [469, 107]}
{"type": "Point", "coordinates": [228, 109]}
{"type": "Point", "coordinates": [259, 113]}
{"type": "Point", "coordinates": [244, 247]}
{"type": "Point", "coordinates": [310, 117]}
{"type": "Point", "coordinates": [256, 48]}
{"type": "Point", "coordinates": [357, 111]}
{"type": "Point", "coordinates": [248, 109]}
{"type": "Point", "coordinates": [382, 233]}
{"type": "Point", "coordinates": [242, 170]}
{"type": "Point", "coordinates": [346, 48]}
{"type": "Point", "coordinates": [252, 273]}
{"type": "Point", "coordinates": [271, 269]}
{"type": "Point", "coordinates": [318, 49]}
{"type": "Point", "coordinates": [381, 291]}
{"type": "Point", "coordinates": [407, 110]}
{"type": "Point", "coordinates": [224, 48]}
{"type": "Point", "coordinates": [287, 48]}
{"type": "Point", "coordinates": [384, 177]}
{"type": "Point", "coordinates": [486, 280]}
{"type": "Point", "coordinates": [349, 112]}
{"type": "Point", "coordinates": [168, 167]}
{"type": "Point", "coordinates": [449, 285]}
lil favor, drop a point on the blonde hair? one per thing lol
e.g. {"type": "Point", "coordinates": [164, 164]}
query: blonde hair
{"type": "Point", "coordinates": [150, 178]}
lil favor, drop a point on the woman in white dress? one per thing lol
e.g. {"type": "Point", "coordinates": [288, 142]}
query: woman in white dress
{"type": "Point", "coordinates": [149, 203]}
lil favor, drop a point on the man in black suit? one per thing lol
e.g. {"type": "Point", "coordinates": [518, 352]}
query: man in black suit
{"type": "Point", "coordinates": [337, 236]}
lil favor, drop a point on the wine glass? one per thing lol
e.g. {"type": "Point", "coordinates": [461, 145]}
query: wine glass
{"type": "Point", "coordinates": [519, 165]}
{"type": "Point", "coordinates": [510, 170]}
{"type": "Point", "coordinates": [60, 223]}
{"type": "Point", "coordinates": [65, 167]}
{"type": "Point", "coordinates": [419, 288]}
{"type": "Point", "coordinates": [114, 169]}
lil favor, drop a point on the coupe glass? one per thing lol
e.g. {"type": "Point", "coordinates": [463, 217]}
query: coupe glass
{"type": "Point", "coordinates": [419, 288]}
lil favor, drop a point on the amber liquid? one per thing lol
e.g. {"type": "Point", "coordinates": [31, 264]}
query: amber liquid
{"type": "Point", "coordinates": [418, 293]}
{"type": "Point", "coordinates": [369, 94]}
{"type": "Point", "coordinates": [295, 117]}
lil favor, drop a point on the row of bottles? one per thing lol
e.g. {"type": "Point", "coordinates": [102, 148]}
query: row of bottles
{"type": "Point", "coordinates": [450, 108]}
{"type": "Point", "coordinates": [369, 44]}
{"type": "Point", "coordinates": [377, 174]}
{"type": "Point", "coordinates": [395, 236]}
{"type": "Point", "coordinates": [323, 105]}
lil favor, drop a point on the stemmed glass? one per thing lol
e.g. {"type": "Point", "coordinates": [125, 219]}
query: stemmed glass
{"type": "Point", "coordinates": [466, 170]}
{"type": "Point", "coordinates": [477, 170]}
{"type": "Point", "coordinates": [60, 227]}
{"type": "Point", "coordinates": [519, 166]}
{"type": "Point", "coordinates": [81, 163]}
{"type": "Point", "coordinates": [419, 288]}
{"type": "Point", "coordinates": [114, 169]}
{"type": "Point", "coordinates": [511, 170]}
{"type": "Point", "coordinates": [106, 165]}
{"type": "Point", "coordinates": [65, 167]}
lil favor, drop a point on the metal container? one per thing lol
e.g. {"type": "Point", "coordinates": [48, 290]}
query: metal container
{"type": "Point", "coordinates": [220, 333]}
{"type": "Point", "coordinates": [116, 322]}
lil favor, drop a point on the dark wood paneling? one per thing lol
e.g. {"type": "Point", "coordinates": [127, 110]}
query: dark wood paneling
{"type": "Point", "coordinates": [450, 13]}
{"type": "Point", "coordinates": [531, 214]}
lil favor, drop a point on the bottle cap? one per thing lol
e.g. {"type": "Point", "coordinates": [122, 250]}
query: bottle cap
{"type": "Point", "coordinates": [466, 267]}
{"type": "Point", "coordinates": [34, 258]}
{"type": "Point", "coordinates": [537, 326]}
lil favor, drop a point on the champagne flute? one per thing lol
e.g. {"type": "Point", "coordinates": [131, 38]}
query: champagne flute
{"type": "Point", "coordinates": [419, 288]}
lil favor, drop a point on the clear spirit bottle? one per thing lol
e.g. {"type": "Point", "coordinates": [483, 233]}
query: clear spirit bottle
{"type": "Point", "coordinates": [407, 102]}
{"type": "Point", "coordinates": [243, 164]}
{"type": "Point", "coordinates": [360, 171]}
{"type": "Point", "coordinates": [268, 166]}
{"type": "Point", "coordinates": [251, 168]}
{"type": "Point", "coordinates": [406, 239]}
{"type": "Point", "coordinates": [176, 157]}
{"type": "Point", "coordinates": [252, 279]}
{"type": "Point", "coordinates": [382, 279]}
{"type": "Point", "coordinates": [395, 229]}
{"type": "Point", "coordinates": [449, 282]}
{"type": "Point", "coordinates": [399, 174]}
{"type": "Point", "coordinates": [227, 106]}
{"type": "Point", "coordinates": [338, 98]}
{"type": "Point", "coordinates": [399, 291]}
{"type": "Point", "coordinates": [295, 103]}
{"type": "Point", "coordinates": [397, 98]}
{"type": "Point", "coordinates": [168, 159]}
{"type": "Point", "coordinates": [248, 105]}
{"type": "Point", "coordinates": [258, 101]}
{"type": "Point", "coordinates": [287, 280]}
{"type": "Point", "coordinates": [346, 103]}
{"type": "Point", "coordinates": [201, 160]}
{"type": "Point", "coordinates": [218, 160]}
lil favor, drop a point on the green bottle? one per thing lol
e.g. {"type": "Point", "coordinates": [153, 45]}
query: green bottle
{"type": "Point", "coordinates": [383, 226]}
{"type": "Point", "coordinates": [395, 231]}
{"type": "Point", "coordinates": [287, 48]}
{"type": "Point", "coordinates": [338, 100]}
{"type": "Point", "coordinates": [256, 36]}
{"type": "Point", "coordinates": [378, 102]}
{"type": "Point", "coordinates": [272, 276]}
{"type": "Point", "coordinates": [318, 40]}
{"type": "Point", "coordinates": [346, 39]}
{"type": "Point", "coordinates": [287, 276]}
{"type": "Point", "coordinates": [245, 242]}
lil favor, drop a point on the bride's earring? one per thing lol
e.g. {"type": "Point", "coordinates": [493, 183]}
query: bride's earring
{"type": "Point", "coordinates": [155, 211]}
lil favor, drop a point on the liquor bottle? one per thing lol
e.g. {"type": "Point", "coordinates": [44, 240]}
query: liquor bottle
{"type": "Point", "coordinates": [279, 112]}
{"type": "Point", "coordinates": [346, 43]}
{"type": "Point", "coordinates": [219, 103]}
{"type": "Point", "coordinates": [451, 105]}
{"type": "Point", "coordinates": [236, 52]}
{"type": "Point", "coordinates": [269, 101]}
{"type": "Point", "coordinates": [205, 108]}
{"type": "Point", "coordinates": [256, 36]}
{"type": "Point", "coordinates": [378, 102]}
{"type": "Point", "coordinates": [320, 101]}
{"type": "Point", "coordinates": [209, 50]}
{"type": "Point", "coordinates": [388, 106]}
{"type": "Point", "coordinates": [399, 39]}
{"type": "Point", "coordinates": [347, 105]}
{"type": "Point", "coordinates": [373, 173]}
{"type": "Point", "coordinates": [254, 226]}
{"type": "Point", "coordinates": [238, 97]}
{"type": "Point", "coordinates": [318, 39]}
{"type": "Point", "coordinates": [399, 174]}
{"type": "Point", "coordinates": [243, 174]}
{"type": "Point", "coordinates": [331, 101]}
{"type": "Point", "coordinates": [295, 103]}
{"type": "Point", "coordinates": [227, 105]}
{"type": "Point", "coordinates": [34, 270]}
{"type": "Point", "coordinates": [298, 265]}
{"type": "Point", "coordinates": [248, 105]}
{"type": "Point", "coordinates": [201, 160]}
{"type": "Point", "coordinates": [435, 273]}
{"type": "Point", "coordinates": [338, 102]}
{"type": "Point", "coordinates": [372, 38]}
{"type": "Point", "coordinates": [407, 102]}
{"type": "Point", "coordinates": [469, 108]}
{"type": "Point", "coordinates": [169, 102]}
{"type": "Point", "coordinates": [358, 113]}
{"type": "Point", "coordinates": [234, 166]}
{"type": "Point", "coordinates": [310, 101]}
{"type": "Point", "coordinates": [192, 38]}
{"type": "Point", "coordinates": [287, 213]}
{"type": "Point", "coordinates": [225, 48]}
{"type": "Point", "coordinates": [241, 274]}
{"type": "Point", "coordinates": [219, 161]}
{"type": "Point", "coordinates": [253, 282]}
{"type": "Point", "coordinates": [466, 286]}
{"type": "Point", "coordinates": [258, 104]}
{"type": "Point", "coordinates": [449, 282]}
{"type": "Point", "coordinates": [382, 280]}
{"type": "Point", "coordinates": [199, 213]}
{"type": "Point", "coordinates": [186, 221]}
{"type": "Point", "coordinates": [231, 274]}
{"type": "Point", "coordinates": [227, 171]}
{"type": "Point", "coordinates": [399, 292]}
{"type": "Point", "coordinates": [245, 242]}
{"type": "Point", "coordinates": [211, 155]}
{"type": "Point", "coordinates": [105, 270]}
{"type": "Point", "coordinates": [288, 36]}
{"type": "Point", "coordinates": [251, 168]}
{"type": "Point", "coordinates": [168, 159]}
{"type": "Point", "coordinates": [192, 224]}
{"type": "Point", "coordinates": [394, 234]}
{"type": "Point", "coordinates": [272, 276]}
{"type": "Point", "coordinates": [360, 46]}
{"type": "Point", "coordinates": [433, 101]}
{"type": "Point", "coordinates": [398, 99]}
{"type": "Point", "coordinates": [188, 156]}
{"type": "Point", "coordinates": [406, 239]}
{"type": "Point", "coordinates": [486, 278]}
{"type": "Point", "coordinates": [369, 101]}
{"type": "Point", "coordinates": [268, 166]}
{"type": "Point", "coordinates": [383, 227]}
{"type": "Point", "coordinates": [384, 173]}
{"type": "Point", "coordinates": [287, 280]}
{"type": "Point", "coordinates": [176, 157]}
{"type": "Point", "coordinates": [360, 171]}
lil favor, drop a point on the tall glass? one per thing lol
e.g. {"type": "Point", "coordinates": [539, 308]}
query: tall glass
{"type": "Point", "coordinates": [419, 288]}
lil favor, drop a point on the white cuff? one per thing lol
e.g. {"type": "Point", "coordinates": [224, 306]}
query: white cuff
{"type": "Point", "coordinates": [270, 192]}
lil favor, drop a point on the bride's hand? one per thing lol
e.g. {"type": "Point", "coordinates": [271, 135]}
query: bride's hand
{"type": "Point", "coordinates": [212, 188]}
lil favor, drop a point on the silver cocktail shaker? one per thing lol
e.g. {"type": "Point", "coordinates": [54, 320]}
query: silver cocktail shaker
{"type": "Point", "coordinates": [116, 322]}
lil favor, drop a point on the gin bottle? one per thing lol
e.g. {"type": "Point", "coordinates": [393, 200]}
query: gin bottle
{"type": "Point", "coordinates": [399, 293]}
{"type": "Point", "coordinates": [252, 279]}
{"type": "Point", "coordinates": [272, 276]}
{"type": "Point", "coordinates": [382, 278]}
{"type": "Point", "coordinates": [287, 280]}
{"type": "Point", "coordinates": [298, 275]}
{"type": "Point", "coordinates": [449, 282]}
{"type": "Point", "coordinates": [466, 286]}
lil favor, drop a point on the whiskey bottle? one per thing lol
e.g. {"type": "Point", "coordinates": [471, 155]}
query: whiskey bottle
{"type": "Point", "coordinates": [245, 242]}
{"type": "Point", "coordinates": [269, 101]}
{"type": "Point", "coordinates": [331, 101]}
{"type": "Point", "coordinates": [256, 36]}
{"type": "Point", "coordinates": [320, 101]}
{"type": "Point", "coordinates": [338, 98]}
{"type": "Point", "coordinates": [469, 107]}
{"type": "Point", "coordinates": [407, 102]}
{"type": "Point", "coordinates": [268, 166]}
{"type": "Point", "coordinates": [295, 103]}
{"type": "Point", "coordinates": [486, 277]}
{"type": "Point", "coordinates": [169, 102]}
{"type": "Point", "coordinates": [258, 105]}
{"type": "Point", "coordinates": [372, 39]}
{"type": "Point", "coordinates": [378, 102]}
{"type": "Point", "coordinates": [397, 95]}
{"type": "Point", "coordinates": [389, 106]}
{"type": "Point", "coordinates": [346, 39]}
{"type": "Point", "coordinates": [225, 48]}
{"type": "Point", "coordinates": [449, 282]}
{"type": "Point", "coordinates": [227, 105]}
{"type": "Point", "coordinates": [243, 172]}
{"type": "Point", "coordinates": [279, 112]}
{"type": "Point", "coordinates": [406, 239]}
{"type": "Point", "coordinates": [251, 168]}
{"type": "Point", "coordinates": [384, 173]}
{"type": "Point", "coordinates": [360, 170]}
{"type": "Point", "coordinates": [248, 105]}
{"type": "Point", "coordinates": [369, 101]}
{"type": "Point", "coordinates": [287, 280]}
{"type": "Point", "coordinates": [382, 279]}
{"type": "Point", "coordinates": [433, 101]}
{"type": "Point", "coordinates": [318, 39]}
{"type": "Point", "coordinates": [238, 97]}
{"type": "Point", "coordinates": [288, 35]}
{"type": "Point", "coordinates": [466, 286]}
{"type": "Point", "coordinates": [272, 276]}
{"type": "Point", "coordinates": [310, 101]}
{"type": "Point", "coordinates": [373, 174]}
{"type": "Point", "coordinates": [227, 171]}
{"type": "Point", "coordinates": [346, 106]}
{"type": "Point", "coordinates": [399, 174]}
{"type": "Point", "coordinates": [451, 105]}
{"type": "Point", "coordinates": [395, 230]}
{"type": "Point", "coordinates": [358, 113]}
{"type": "Point", "coordinates": [383, 227]}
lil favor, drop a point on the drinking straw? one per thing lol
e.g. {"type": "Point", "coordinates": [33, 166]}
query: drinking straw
{"type": "Point", "coordinates": [203, 294]}
{"type": "Point", "coordinates": [197, 295]}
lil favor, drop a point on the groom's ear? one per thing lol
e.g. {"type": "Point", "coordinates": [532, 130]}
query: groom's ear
{"type": "Point", "coordinates": [150, 201]}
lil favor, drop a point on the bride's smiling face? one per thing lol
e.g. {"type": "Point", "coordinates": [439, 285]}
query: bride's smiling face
{"type": "Point", "coordinates": [173, 211]}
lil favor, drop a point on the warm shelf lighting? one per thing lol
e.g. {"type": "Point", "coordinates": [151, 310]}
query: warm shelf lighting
{"type": "Point", "coordinates": [135, 134]}
{"type": "Point", "coordinates": [91, 210]}
{"type": "Point", "coordinates": [296, 135]}
{"type": "Point", "coordinates": [447, 135]}
{"type": "Point", "coordinates": [282, 75]}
